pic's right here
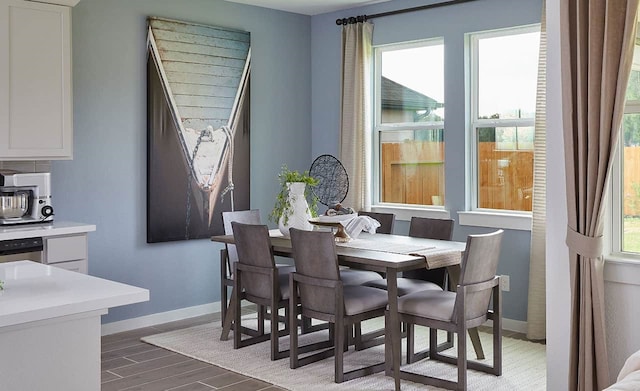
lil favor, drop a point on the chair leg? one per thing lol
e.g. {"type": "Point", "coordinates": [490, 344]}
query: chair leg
{"type": "Point", "coordinates": [262, 311]}
{"type": "Point", "coordinates": [462, 360]}
{"type": "Point", "coordinates": [339, 342]}
{"type": "Point", "coordinates": [237, 332]}
{"type": "Point", "coordinates": [293, 328]}
{"type": "Point", "coordinates": [433, 342]}
{"type": "Point", "coordinates": [410, 342]}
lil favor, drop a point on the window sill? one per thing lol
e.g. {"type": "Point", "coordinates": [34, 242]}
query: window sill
{"type": "Point", "coordinates": [495, 220]}
{"type": "Point", "coordinates": [404, 213]}
{"type": "Point", "coordinates": [622, 270]}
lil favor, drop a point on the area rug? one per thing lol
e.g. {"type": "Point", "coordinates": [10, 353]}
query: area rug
{"type": "Point", "coordinates": [524, 365]}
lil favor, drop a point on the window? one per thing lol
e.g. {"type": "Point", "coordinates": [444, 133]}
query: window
{"type": "Point", "coordinates": [503, 78]}
{"type": "Point", "coordinates": [626, 184]}
{"type": "Point", "coordinates": [409, 123]}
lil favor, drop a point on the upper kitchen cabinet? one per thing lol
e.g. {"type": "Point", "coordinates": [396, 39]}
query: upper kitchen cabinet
{"type": "Point", "coordinates": [36, 113]}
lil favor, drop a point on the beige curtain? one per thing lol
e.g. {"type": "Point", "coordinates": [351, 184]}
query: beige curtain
{"type": "Point", "coordinates": [536, 309]}
{"type": "Point", "coordinates": [597, 38]}
{"type": "Point", "coordinates": [355, 134]}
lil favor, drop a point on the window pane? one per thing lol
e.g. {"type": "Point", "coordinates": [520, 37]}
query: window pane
{"type": "Point", "coordinates": [507, 75]}
{"type": "Point", "coordinates": [412, 85]}
{"type": "Point", "coordinates": [631, 183]}
{"type": "Point", "coordinates": [505, 168]}
{"type": "Point", "coordinates": [412, 166]}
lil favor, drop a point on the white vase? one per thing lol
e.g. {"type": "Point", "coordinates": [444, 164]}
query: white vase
{"type": "Point", "coordinates": [300, 214]}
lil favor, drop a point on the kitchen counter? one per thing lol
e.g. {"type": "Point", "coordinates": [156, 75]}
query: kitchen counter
{"type": "Point", "coordinates": [50, 326]}
{"type": "Point", "coordinates": [54, 228]}
{"type": "Point", "coordinates": [36, 292]}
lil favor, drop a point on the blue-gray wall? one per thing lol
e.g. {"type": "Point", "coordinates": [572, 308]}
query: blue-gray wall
{"type": "Point", "coordinates": [295, 108]}
{"type": "Point", "coordinates": [105, 183]}
{"type": "Point", "coordinates": [452, 23]}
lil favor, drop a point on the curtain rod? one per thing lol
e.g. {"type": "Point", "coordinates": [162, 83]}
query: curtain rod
{"type": "Point", "coordinates": [364, 18]}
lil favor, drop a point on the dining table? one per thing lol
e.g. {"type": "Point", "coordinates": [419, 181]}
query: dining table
{"type": "Point", "coordinates": [388, 254]}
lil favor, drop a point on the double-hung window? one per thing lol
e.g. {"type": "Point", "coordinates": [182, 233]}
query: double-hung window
{"type": "Point", "coordinates": [626, 178]}
{"type": "Point", "coordinates": [502, 80]}
{"type": "Point", "coordinates": [409, 124]}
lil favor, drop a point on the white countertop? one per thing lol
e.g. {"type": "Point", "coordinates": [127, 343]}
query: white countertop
{"type": "Point", "coordinates": [53, 228]}
{"type": "Point", "coordinates": [34, 292]}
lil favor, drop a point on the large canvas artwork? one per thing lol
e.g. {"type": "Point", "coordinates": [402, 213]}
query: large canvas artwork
{"type": "Point", "coordinates": [198, 128]}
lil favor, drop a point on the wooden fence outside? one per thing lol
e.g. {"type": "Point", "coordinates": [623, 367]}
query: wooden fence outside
{"type": "Point", "coordinates": [413, 173]}
{"type": "Point", "coordinates": [631, 196]}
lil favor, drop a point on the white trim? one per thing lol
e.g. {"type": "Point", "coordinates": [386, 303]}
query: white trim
{"type": "Point", "coordinates": [519, 326]}
{"type": "Point", "coordinates": [520, 222]}
{"type": "Point", "coordinates": [404, 213]}
{"type": "Point", "coordinates": [159, 318]}
{"type": "Point", "coordinates": [210, 308]}
{"type": "Point", "coordinates": [623, 271]}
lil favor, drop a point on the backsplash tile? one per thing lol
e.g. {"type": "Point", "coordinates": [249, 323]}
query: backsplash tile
{"type": "Point", "coordinates": [27, 165]}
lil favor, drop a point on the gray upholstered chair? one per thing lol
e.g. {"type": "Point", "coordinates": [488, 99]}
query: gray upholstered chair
{"type": "Point", "coordinates": [414, 280]}
{"type": "Point", "coordinates": [324, 296]}
{"type": "Point", "coordinates": [456, 312]}
{"type": "Point", "coordinates": [386, 220]}
{"type": "Point", "coordinates": [422, 279]}
{"type": "Point", "coordinates": [229, 257]}
{"type": "Point", "coordinates": [258, 280]}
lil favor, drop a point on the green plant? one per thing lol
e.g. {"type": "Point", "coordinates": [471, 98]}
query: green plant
{"type": "Point", "coordinates": [282, 208]}
{"type": "Point", "coordinates": [1, 285]}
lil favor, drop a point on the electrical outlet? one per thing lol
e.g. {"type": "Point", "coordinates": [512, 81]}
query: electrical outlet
{"type": "Point", "coordinates": [505, 284]}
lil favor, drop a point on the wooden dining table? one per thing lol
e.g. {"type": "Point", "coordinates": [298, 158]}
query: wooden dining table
{"type": "Point", "coordinates": [389, 254]}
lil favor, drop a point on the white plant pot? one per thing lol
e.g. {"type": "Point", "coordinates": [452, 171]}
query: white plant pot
{"type": "Point", "coordinates": [299, 218]}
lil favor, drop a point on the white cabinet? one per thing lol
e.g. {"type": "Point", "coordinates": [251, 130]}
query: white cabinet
{"type": "Point", "coordinates": [68, 252]}
{"type": "Point", "coordinates": [36, 111]}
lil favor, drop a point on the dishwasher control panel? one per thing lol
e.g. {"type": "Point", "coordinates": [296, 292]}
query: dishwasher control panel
{"type": "Point", "coordinates": [17, 246]}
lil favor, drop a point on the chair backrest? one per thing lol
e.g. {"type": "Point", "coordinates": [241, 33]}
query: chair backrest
{"type": "Point", "coordinates": [480, 264]}
{"type": "Point", "coordinates": [254, 249]}
{"type": "Point", "coordinates": [386, 220]}
{"type": "Point", "coordinates": [424, 227]}
{"type": "Point", "coordinates": [250, 216]}
{"type": "Point", "coordinates": [314, 254]}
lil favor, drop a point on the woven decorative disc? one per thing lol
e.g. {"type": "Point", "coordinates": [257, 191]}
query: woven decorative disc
{"type": "Point", "coordinates": [332, 177]}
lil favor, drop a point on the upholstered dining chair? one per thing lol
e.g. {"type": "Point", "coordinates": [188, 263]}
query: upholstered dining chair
{"type": "Point", "coordinates": [386, 220]}
{"type": "Point", "coordinates": [414, 280]}
{"type": "Point", "coordinates": [258, 280]}
{"type": "Point", "coordinates": [324, 296]}
{"type": "Point", "coordinates": [456, 312]}
{"type": "Point", "coordinates": [229, 257]}
{"type": "Point", "coordinates": [422, 279]}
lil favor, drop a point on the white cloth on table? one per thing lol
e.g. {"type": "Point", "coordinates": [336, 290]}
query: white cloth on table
{"type": "Point", "coordinates": [354, 226]}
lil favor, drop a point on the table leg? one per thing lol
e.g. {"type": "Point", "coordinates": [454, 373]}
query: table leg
{"type": "Point", "coordinates": [394, 323]}
{"type": "Point", "coordinates": [454, 277]}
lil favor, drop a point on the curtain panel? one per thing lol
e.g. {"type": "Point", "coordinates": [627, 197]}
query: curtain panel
{"type": "Point", "coordinates": [597, 39]}
{"type": "Point", "coordinates": [355, 126]}
{"type": "Point", "coordinates": [536, 308]}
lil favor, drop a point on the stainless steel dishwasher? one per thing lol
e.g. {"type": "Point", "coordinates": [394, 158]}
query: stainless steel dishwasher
{"type": "Point", "coordinates": [21, 249]}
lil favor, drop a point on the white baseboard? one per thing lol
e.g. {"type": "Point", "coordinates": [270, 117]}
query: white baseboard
{"type": "Point", "coordinates": [159, 318]}
{"type": "Point", "coordinates": [518, 326]}
{"type": "Point", "coordinates": [210, 308]}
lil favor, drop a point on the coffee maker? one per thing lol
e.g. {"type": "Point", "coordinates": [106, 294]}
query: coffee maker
{"type": "Point", "coordinates": [25, 197]}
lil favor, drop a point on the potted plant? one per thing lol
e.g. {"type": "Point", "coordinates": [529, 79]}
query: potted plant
{"type": "Point", "coordinates": [295, 202]}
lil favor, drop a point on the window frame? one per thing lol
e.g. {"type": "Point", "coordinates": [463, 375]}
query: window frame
{"type": "Point", "coordinates": [617, 187]}
{"type": "Point", "coordinates": [379, 127]}
{"type": "Point", "coordinates": [474, 123]}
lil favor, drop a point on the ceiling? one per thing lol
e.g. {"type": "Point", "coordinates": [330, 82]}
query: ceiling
{"type": "Point", "coordinates": [308, 7]}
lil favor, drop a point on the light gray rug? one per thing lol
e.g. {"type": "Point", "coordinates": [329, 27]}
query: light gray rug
{"type": "Point", "coordinates": [524, 365]}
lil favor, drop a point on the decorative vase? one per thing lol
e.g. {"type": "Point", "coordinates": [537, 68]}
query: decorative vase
{"type": "Point", "coordinates": [300, 214]}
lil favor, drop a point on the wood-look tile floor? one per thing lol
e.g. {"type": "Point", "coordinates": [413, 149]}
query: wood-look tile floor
{"type": "Point", "coordinates": [130, 364]}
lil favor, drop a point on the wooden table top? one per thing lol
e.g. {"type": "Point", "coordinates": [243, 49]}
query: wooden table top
{"type": "Point", "coordinates": [363, 258]}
